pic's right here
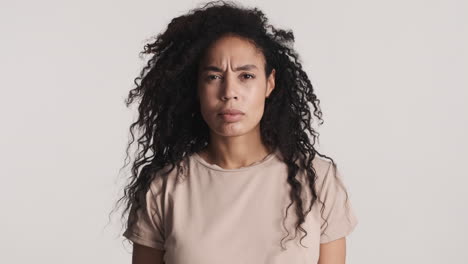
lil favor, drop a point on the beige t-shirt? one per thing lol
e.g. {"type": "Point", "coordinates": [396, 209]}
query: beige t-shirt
{"type": "Point", "coordinates": [213, 215]}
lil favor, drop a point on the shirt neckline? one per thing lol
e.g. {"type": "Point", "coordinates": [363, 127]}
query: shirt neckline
{"type": "Point", "coordinates": [254, 165]}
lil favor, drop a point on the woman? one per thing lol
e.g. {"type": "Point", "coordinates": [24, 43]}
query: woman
{"type": "Point", "coordinates": [224, 110]}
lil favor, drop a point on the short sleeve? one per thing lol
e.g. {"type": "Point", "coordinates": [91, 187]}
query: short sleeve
{"type": "Point", "coordinates": [148, 228]}
{"type": "Point", "coordinates": [338, 211]}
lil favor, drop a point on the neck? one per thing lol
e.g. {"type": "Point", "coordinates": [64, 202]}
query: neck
{"type": "Point", "coordinates": [234, 157]}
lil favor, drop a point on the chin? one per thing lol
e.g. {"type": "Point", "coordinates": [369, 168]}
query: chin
{"type": "Point", "coordinates": [230, 130]}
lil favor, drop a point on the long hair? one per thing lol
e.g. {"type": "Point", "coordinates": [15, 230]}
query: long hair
{"type": "Point", "coordinates": [169, 117]}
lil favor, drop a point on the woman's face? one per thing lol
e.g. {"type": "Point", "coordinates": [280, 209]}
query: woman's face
{"type": "Point", "coordinates": [232, 76]}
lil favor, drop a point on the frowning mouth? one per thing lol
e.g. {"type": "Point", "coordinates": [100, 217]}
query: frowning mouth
{"type": "Point", "coordinates": [231, 111]}
{"type": "Point", "coordinates": [231, 117]}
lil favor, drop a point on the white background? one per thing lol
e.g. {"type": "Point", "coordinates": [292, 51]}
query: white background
{"type": "Point", "coordinates": [391, 77]}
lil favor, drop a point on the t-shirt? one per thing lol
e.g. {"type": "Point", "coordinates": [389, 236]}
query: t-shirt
{"type": "Point", "coordinates": [212, 215]}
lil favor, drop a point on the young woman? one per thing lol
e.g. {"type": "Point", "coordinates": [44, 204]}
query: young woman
{"type": "Point", "coordinates": [227, 172]}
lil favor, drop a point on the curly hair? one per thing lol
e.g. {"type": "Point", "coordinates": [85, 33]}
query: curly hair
{"type": "Point", "coordinates": [169, 117]}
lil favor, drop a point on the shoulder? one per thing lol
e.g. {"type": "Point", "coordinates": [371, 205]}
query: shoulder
{"type": "Point", "coordinates": [321, 166]}
{"type": "Point", "coordinates": [327, 173]}
{"type": "Point", "coordinates": [169, 175]}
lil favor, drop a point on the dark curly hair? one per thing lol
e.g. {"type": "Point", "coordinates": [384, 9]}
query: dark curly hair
{"type": "Point", "coordinates": [169, 117]}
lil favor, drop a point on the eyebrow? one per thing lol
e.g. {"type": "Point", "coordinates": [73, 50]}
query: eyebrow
{"type": "Point", "coordinates": [240, 68]}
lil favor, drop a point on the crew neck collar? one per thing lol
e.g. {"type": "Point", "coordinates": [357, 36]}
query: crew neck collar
{"type": "Point", "coordinates": [254, 165]}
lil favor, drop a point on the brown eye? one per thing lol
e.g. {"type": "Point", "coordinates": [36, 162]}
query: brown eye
{"type": "Point", "coordinates": [212, 77]}
{"type": "Point", "coordinates": [248, 75]}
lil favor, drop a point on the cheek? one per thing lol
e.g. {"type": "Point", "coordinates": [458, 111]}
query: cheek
{"type": "Point", "coordinates": [256, 106]}
{"type": "Point", "coordinates": [208, 109]}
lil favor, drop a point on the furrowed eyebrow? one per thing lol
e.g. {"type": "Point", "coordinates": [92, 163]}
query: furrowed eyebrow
{"type": "Point", "coordinates": [240, 68]}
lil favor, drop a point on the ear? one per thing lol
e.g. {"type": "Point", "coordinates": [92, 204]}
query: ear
{"type": "Point", "coordinates": [270, 83]}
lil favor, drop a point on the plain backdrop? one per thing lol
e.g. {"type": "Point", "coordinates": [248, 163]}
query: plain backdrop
{"type": "Point", "coordinates": [391, 77]}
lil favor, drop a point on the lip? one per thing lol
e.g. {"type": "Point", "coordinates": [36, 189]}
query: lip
{"type": "Point", "coordinates": [231, 117]}
{"type": "Point", "coordinates": [231, 111]}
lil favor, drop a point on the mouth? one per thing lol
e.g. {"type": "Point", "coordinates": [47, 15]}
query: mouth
{"type": "Point", "coordinates": [231, 112]}
{"type": "Point", "coordinates": [231, 117]}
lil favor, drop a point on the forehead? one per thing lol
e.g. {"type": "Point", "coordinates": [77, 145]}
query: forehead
{"type": "Point", "coordinates": [232, 50]}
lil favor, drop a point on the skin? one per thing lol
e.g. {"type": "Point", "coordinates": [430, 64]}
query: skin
{"type": "Point", "coordinates": [222, 85]}
{"type": "Point", "coordinates": [237, 144]}
{"type": "Point", "coordinates": [333, 252]}
{"type": "Point", "coordinates": [147, 255]}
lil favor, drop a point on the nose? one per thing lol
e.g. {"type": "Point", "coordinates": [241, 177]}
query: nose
{"type": "Point", "coordinates": [229, 88]}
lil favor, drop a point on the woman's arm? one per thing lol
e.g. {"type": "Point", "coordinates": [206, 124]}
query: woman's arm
{"type": "Point", "coordinates": [146, 255]}
{"type": "Point", "coordinates": [333, 252]}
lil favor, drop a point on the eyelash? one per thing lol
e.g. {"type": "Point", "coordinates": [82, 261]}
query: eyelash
{"type": "Point", "coordinates": [252, 76]}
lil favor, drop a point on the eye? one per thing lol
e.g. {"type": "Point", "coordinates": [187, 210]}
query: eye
{"type": "Point", "coordinates": [248, 75]}
{"type": "Point", "coordinates": [212, 77]}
